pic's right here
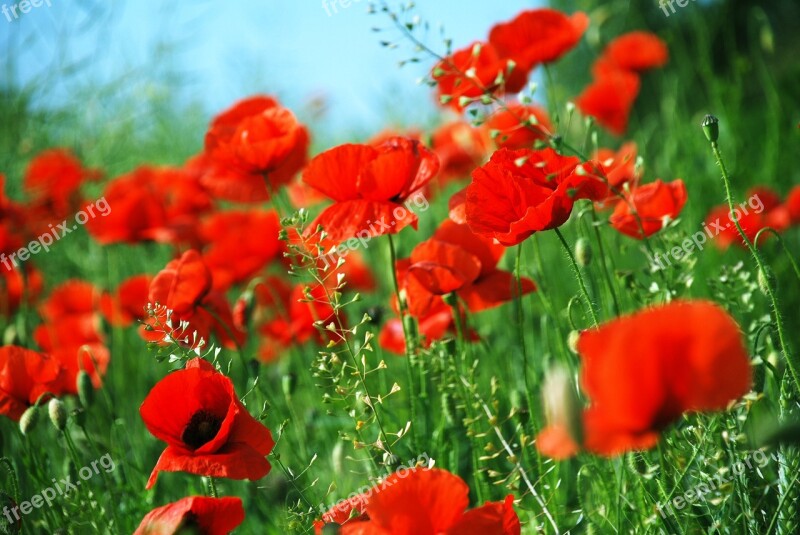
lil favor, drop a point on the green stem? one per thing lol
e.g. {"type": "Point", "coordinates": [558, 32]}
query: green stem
{"type": "Point", "coordinates": [791, 359]}
{"type": "Point", "coordinates": [578, 275]}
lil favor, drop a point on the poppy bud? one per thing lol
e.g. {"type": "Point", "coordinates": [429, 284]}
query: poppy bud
{"type": "Point", "coordinates": [561, 404]}
{"type": "Point", "coordinates": [710, 126]}
{"type": "Point", "coordinates": [85, 388]}
{"type": "Point", "coordinates": [572, 341]}
{"type": "Point", "coordinates": [58, 414]}
{"type": "Point", "coordinates": [583, 252]}
{"type": "Point", "coordinates": [766, 280]}
{"type": "Point", "coordinates": [29, 419]}
{"type": "Point", "coordinates": [288, 383]}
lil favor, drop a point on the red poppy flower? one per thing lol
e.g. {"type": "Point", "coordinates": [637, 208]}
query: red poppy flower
{"type": "Point", "coordinates": [617, 168]}
{"type": "Point", "coordinates": [254, 141]}
{"type": "Point", "coordinates": [369, 186]}
{"type": "Point", "coordinates": [207, 429]}
{"type": "Point", "coordinates": [474, 70]}
{"type": "Point", "coordinates": [71, 331]}
{"type": "Point", "coordinates": [431, 502]}
{"type": "Point", "coordinates": [54, 178]}
{"type": "Point", "coordinates": [456, 260]}
{"type": "Point", "coordinates": [642, 372]}
{"type": "Point", "coordinates": [24, 376]}
{"type": "Point", "coordinates": [518, 126]}
{"type": "Point", "coordinates": [197, 514]}
{"type": "Point", "coordinates": [128, 303]}
{"type": "Point", "coordinates": [460, 149]}
{"type": "Point", "coordinates": [183, 292]}
{"type": "Point", "coordinates": [609, 99]}
{"type": "Point", "coordinates": [248, 237]}
{"type": "Point", "coordinates": [647, 208]}
{"type": "Point", "coordinates": [432, 324]}
{"type": "Point", "coordinates": [635, 51]}
{"type": "Point", "coordinates": [14, 287]}
{"type": "Point", "coordinates": [762, 209]}
{"type": "Point", "coordinates": [538, 36]}
{"type": "Point", "coordinates": [349, 511]}
{"type": "Point", "coordinates": [524, 191]}
{"type": "Point", "coordinates": [152, 204]}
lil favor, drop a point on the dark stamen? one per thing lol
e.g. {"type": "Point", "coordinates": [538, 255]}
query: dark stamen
{"type": "Point", "coordinates": [202, 428]}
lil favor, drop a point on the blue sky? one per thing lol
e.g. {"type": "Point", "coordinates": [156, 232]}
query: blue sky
{"type": "Point", "coordinates": [222, 51]}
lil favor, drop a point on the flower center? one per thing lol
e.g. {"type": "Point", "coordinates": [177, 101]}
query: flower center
{"type": "Point", "coordinates": [201, 429]}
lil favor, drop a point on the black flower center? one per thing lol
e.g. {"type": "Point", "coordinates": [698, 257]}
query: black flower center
{"type": "Point", "coordinates": [190, 526]}
{"type": "Point", "coordinates": [201, 429]}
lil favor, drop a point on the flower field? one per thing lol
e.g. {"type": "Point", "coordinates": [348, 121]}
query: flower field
{"type": "Point", "coordinates": [565, 303]}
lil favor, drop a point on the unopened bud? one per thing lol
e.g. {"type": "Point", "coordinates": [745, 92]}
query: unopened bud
{"type": "Point", "coordinates": [85, 388]}
{"type": "Point", "coordinates": [710, 126]}
{"type": "Point", "coordinates": [57, 413]}
{"type": "Point", "coordinates": [583, 252]}
{"type": "Point", "coordinates": [766, 280]}
{"type": "Point", "coordinates": [572, 341]}
{"type": "Point", "coordinates": [29, 419]}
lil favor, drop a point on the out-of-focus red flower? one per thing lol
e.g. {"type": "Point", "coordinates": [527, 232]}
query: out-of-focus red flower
{"type": "Point", "coordinates": [457, 260]}
{"type": "Point", "coordinates": [642, 372]}
{"type": "Point", "coordinates": [159, 204]}
{"type": "Point", "coordinates": [473, 70]}
{"type": "Point", "coordinates": [294, 324]}
{"type": "Point", "coordinates": [16, 283]}
{"type": "Point", "coordinates": [301, 195]}
{"type": "Point", "coordinates": [369, 186]}
{"type": "Point", "coordinates": [538, 36]}
{"type": "Point", "coordinates": [635, 51]}
{"type": "Point", "coordinates": [521, 192]}
{"type": "Point", "coordinates": [609, 99]}
{"type": "Point", "coordinates": [71, 331]}
{"type": "Point", "coordinates": [183, 292]}
{"type": "Point", "coordinates": [460, 148]}
{"type": "Point", "coordinates": [647, 208]}
{"type": "Point", "coordinates": [240, 244]}
{"type": "Point", "coordinates": [254, 146]}
{"type": "Point", "coordinates": [793, 205]}
{"type": "Point", "coordinates": [54, 178]}
{"type": "Point", "coordinates": [762, 209]}
{"type": "Point", "coordinates": [207, 429]}
{"type": "Point", "coordinates": [196, 514]}
{"type": "Point", "coordinates": [24, 376]}
{"type": "Point", "coordinates": [430, 502]}
{"type": "Point", "coordinates": [518, 126]}
{"type": "Point", "coordinates": [348, 511]}
{"type": "Point", "coordinates": [618, 168]}
{"type": "Point", "coordinates": [433, 324]}
{"type": "Point", "coordinates": [128, 303]}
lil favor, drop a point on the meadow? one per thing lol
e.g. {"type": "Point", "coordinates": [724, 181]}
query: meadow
{"type": "Point", "coordinates": [566, 304]}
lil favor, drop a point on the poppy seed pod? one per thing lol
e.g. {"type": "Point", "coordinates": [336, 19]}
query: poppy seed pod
{"type": "Point", "coordinates": [710, 126]}
{"type": "Point", "coordinates": [85, 388]}
{"type": "Point", "coordinates": [57, 413]}
{"type": "Point", "coordinates": [29, 419]}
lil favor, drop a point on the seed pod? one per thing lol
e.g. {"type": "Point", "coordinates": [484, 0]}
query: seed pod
{"type": "Point", "coordinates": [29, 419]}
{"type": "Point", "coordinates": [85, 389]}
{"type": "Point", "coordinates": [57, 413]}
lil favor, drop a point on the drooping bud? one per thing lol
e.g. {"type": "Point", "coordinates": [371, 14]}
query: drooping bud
{"type": "Point", "coordinates": [85, 388]}
{"type": "Point", "coordinates": [583, 252]}
{"type": "Point", "coordinates": [710, 126]}
{"type": "Point", "coordinates": [29, 419]}
{"type": "Point", "coordinates": [57, 413]}
{"type": "Point", "coordinates": [766, 280]}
